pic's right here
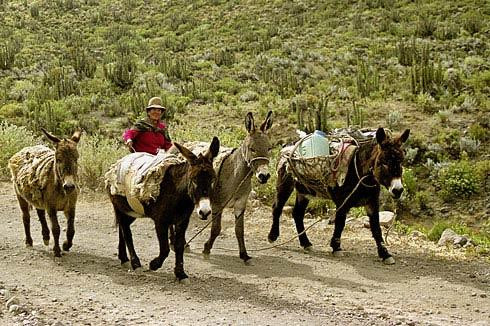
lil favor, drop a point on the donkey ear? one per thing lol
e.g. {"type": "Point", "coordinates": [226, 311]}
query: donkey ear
{"type": "Point", "coordinates": [380, 135]}
{"type": "Point", "coordinates": [249, 122]}
{"type": "Point", "coordinates": [213, 150]}
{"type": "Point", "coordinates": [76, 136]}
{"type": "Point", "coordinates": [403, 138]}
{"type": "Point", "coordinates": [51, 137]}
{"type": "Point", "coordinates": [189, 156]}
{"type": "Point", "coordinates": [267, 123]}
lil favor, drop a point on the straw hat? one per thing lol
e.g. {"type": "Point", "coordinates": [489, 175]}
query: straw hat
{"type": "Point", "coordinates": [155, 102]}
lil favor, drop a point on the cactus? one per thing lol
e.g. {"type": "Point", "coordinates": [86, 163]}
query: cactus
{"type": "Point", "coordinates": [367, 80]}
{"type": "Point", "coordinates": [224, 57]}
{"type": "Point", "coordinates": [121, 71]}
{"type": "Point", "coordinates": [59, 83]}
{"type": "Point", "coordinates": [8, 50]}
{"type": "Point", "coordinates": [311, 112]}
{"type": "Point", "coordinates": [425, 76]}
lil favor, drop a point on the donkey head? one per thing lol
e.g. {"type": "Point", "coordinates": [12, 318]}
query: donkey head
{"type": "Point", "coordinates": [388, 162]}
{"type": "Point", "coordinates": [256, 147]}
{"type": "Point", "coordinates": [65, 159]}
{"type": "Point", "coordinates": [201, 176]}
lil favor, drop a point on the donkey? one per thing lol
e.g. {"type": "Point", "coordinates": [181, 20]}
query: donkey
{"type": "Point", "coordinates": [374, 164]}
{"type": "Point", "coordinates": [234, 180]}
{"type": "Point", "coordinates": [47, 179]}
{"type": "Point", "coordinates": [184, 186]}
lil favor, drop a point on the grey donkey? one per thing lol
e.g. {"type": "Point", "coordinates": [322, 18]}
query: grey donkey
{"type": "Point", "coordinates": [234, 176]}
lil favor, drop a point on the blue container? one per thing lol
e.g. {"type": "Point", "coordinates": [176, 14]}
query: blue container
{"type": "Point", "coordinates": [315, 144]}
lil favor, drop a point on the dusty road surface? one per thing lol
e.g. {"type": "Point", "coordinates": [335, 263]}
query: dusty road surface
{"type": "Point", "coordinates": [283, 286]}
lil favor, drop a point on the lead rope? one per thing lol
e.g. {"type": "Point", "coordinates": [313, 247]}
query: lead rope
{"type": "Point", "coordinates": [318, 220]}
{"type": "Point", "coordinates": [232, 195]}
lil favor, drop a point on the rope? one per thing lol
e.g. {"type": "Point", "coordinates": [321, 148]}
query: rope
{"type": "Point", "coordinates": [223, 207]}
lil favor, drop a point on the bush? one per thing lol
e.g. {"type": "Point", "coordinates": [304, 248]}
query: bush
{"type": "Point", "coordinates": [458, 180]}
{"type": "Point", "coordinates": [409, 182]}
{"type": "Point", "coordinates": [12, 140]}
{"type": "Point", "coordinates": [97, 154]}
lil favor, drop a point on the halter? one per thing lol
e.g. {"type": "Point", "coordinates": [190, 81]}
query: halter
{"type": "Point", "coordinates": [249, 162]}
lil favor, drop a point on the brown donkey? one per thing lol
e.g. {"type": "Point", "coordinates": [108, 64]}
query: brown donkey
{"type": "Point", "coordinates": [184, 186]}
{"type": "Point", "coordinates": [375, 164]}
{"type": "Point", "coordinates": [234, 180]}
{"type": "Point", "coordinates": [47, 180]}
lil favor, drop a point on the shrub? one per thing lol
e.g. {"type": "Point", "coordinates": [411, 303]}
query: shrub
{"type": "Point", "coordinates": [409, 182]}
{"type": "Point", "coordinates": [12, 140]}
{"type": "Point", "coordinates": [458, 180]}
{"type": "Point", "coordinates": [97, 154]}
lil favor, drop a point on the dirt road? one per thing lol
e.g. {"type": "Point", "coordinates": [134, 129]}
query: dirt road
{"type": "Point", "coordinates": [283, 286]}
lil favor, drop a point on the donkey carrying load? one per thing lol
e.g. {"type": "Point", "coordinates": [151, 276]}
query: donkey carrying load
{"type": "Point", "coordinates": [47, 179]}
{"type": "Point", "coordinates": [165, 189]}
{"type": "Point", "coordinates": [374, 162]}
{"type": "Point", "coordinates": [234, 171]}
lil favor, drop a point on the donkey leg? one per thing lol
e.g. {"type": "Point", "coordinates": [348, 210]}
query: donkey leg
{"type": "Point", "coordinates": [215, 231]}
{"type": "Point", "coordinates": [26, 219]}
{"type": "Point", "coordinates": [239, 233]}
{"type": "Point", "coordinates": [375, 227]}
{"type": "Point", "coordinates": [41, 214]}
{"type": "Point", "coordinates": [162, 236]}
{"type": "Point", "coordinates": [55, 229]}
{"type": "Point", "coordinates": [70, 228]}
{"type": "Point", "coordinates": [180, 229]}
{"type": "Point", "coordinates": [171, 236]}
{"type": "Point", "coordinates": [125, 222]}
{"type": "Point", "coordinates": [284, 189]}
{"type": "Point", "coordinates": [340, 217]}
{"type": "Point", "coordinates": [121, 248]}
{"type": "Point", "coordinates": [299, 210]}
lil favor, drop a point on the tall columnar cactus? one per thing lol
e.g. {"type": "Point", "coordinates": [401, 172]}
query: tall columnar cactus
{"type": "Point", "coordinates": [8, 50]}
{"type": "Point", "coordinates": [121, 71]}
{"type": "Point", "coordinates": [311, 112]}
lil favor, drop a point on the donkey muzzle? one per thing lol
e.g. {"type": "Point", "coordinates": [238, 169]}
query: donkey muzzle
{"type": "Point", "coordinates": [204, 208]}
{"type": "Point", "coordinates": [396, 188]}
{"type": "Point", "coordinates": [68, 187]}
{"type": "Point", "coordinates": [263, 177]}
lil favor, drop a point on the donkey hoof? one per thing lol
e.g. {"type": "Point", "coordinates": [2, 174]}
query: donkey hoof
{"type": "Point", "coordinates": [172, 247]}
{"type": "Point", "coordinates": [46, 242]}
{"type": "Point", "coordinates": [272, 238]}
{"type": "Point", "coordinates": [308, 249]}
{"type": "Point", "coordinates": [29, 246]}
{"type": "Point", "coordinates": [138, 270]}
{"type": "Point", "coordinates": [66, 246]}
{"type": "Point", "coordinates": [246, 259]}
{"type": "Point", "coordinates": [338, 253]}
{"type": "Point", "coordinates": [206, 255]}
{"type": "Point", "coordinates": [389, 261]}
{"type": "Point", "coordinates": [126, 265]}
{"type": "Point", "coordinates": [155, 264]}
{"type": "Point", "coordinates": [187, 249]}
{"type": "Point", "coordinates": [185, 281]}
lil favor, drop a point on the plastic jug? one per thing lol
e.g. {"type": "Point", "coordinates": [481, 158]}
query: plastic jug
{"type": "Point", "coordinates": [315, 144]}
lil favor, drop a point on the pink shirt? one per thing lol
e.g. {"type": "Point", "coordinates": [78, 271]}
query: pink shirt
{"type": "Point", "coordinates": [147, 141]}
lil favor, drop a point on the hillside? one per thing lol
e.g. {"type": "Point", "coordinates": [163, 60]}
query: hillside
{"type": "Point", "coordinates": [317, 64]}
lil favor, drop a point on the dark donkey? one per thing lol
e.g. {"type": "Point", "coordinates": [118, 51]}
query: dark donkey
{"type": "Point", "coordinates": [234, 180]}
{"type": "Point", "coordinates": [184, 186]}
{"type": "Point", "coordinates": [47, 180]}
{"type": "Point", "coordinates": [374, 164]}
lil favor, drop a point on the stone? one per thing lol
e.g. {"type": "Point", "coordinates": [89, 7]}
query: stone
{"type": "Point", "coordinates": [452, 238]}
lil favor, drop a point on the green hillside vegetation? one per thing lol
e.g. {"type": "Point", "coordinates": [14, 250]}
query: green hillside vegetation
{"type": "Point", "coordinates": [422, 65]}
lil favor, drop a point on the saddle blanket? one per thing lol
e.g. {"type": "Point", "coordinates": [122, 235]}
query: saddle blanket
{"type": "Point", "coordinates": [137, 176]}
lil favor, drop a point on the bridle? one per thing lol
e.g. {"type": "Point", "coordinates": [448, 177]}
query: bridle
{"type": "Point", "coordinates": [250, 161]}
